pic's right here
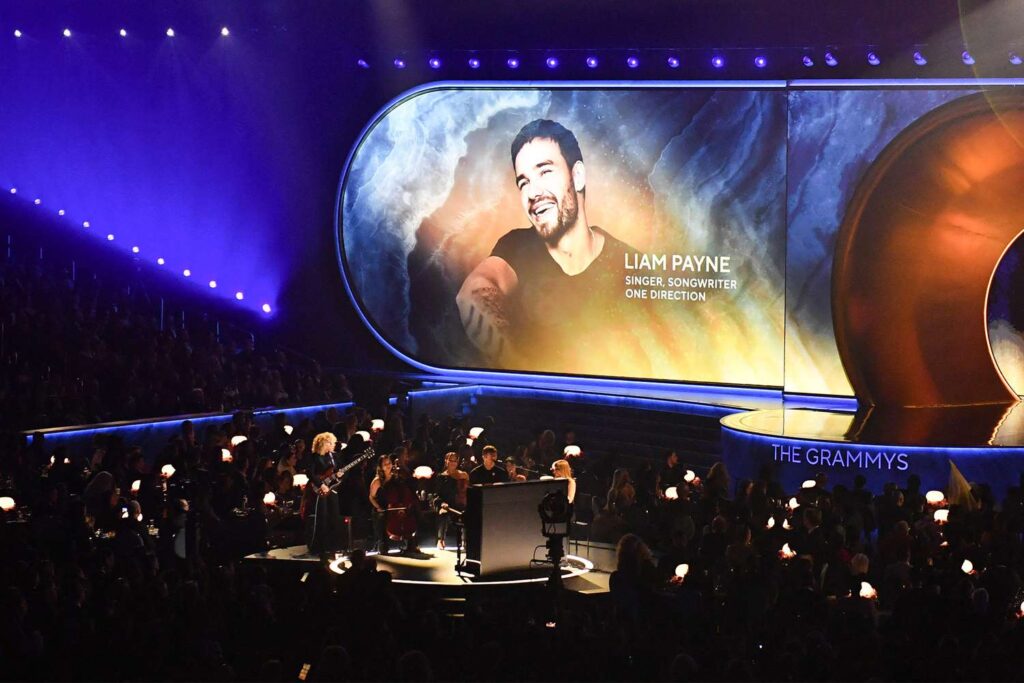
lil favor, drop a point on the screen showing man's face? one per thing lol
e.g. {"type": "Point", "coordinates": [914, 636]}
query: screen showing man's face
{"type": "Point", "coordinates": [546, 189]}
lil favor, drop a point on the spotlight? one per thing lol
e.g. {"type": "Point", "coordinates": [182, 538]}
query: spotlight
{"type": "Point", "coordinates": [920, 59]}
{"type": "Point", "coordinates": [867, 591]}
{"type": "Point", "coordinates": [831, 60]}
{"type": "Point", "coordinates": [135, 250]}
{"type": "Point", "coordinates": [1015, 59]}
{"type": "Point", "coordinates": [377, 424]}
{"type": "Point", "coordinates": [760, 61]}
{"type": "Point", "coordinates": [672, 493]}
{"type": "Point", "coordinates": [269, 499]}
{"type": "Point", "coordinates": [935, 497]}
{"type": "Point", "coordinates": [434, 62]}
{"type": "Point", "coordinates": [110, 237]}
{"type": "Point", "coordinates": [123, 33]}
{"type": "Point", "coordinates": [60, 212]}
{"type": "Point", "coordinates": [808, 61]}
{"type": "Point", "coordinates": [632, 62]}
{"type": "Point", "coordinates": [941, 516]}
{"type": "Point", "coordinates": [423, 472]}
{"type": "Point", "coordinates": [67, 33]}
{"type": "Point", "coordinates": [237, 439]}
{"type": "Point", "coordinates": [300, 479]}
{"type": "Point", "coordinates": [399, 63]}
{"type": "Point", "coordinates": [17, 33]}
{"type": "Point", "coordinates": [362, 64]}
{"type": "Point", "coordinates": [167, 471]}
{"type": "Point", "coordinates": [187, 272]}
{"type": "Point", "coordinates": [14, 190]}
{"type": "Point", "coordinates": [85, 224]}
{"type": "Point", "coordinates": [475, 432]}
{"type": "Point", "coordinates": [160, 261]}
{"type": "Point", "coordinates": [288, 429]}
{"type": "Point", "coordinates": [512, 62]}
{"type": "Point", "coordinates": [474, 63]}
{"type": "Point", "coordinates": [718, 61]}
{"type": "Point", "coordinates": [7, 504]}
{"type": "Point", "coordinates": [239, 295]}
{"type": "Point", "coordinates": [968, 567]}
{"type": "Point", "coordinates": [37, 201]}
{"type": "Point", "coordinates": [266, 308]}
{"type": "Point", "coordinates": [682, 570]}
{"type": "Point", "coordinates": [673, 62]}
{"type": "Point", "coordinates": [572, 452]}
{"type": "Point", "coordinates": [225, 32]}
{"type": "Point", "coordinates": [967, 58]}
{"type": "Point", "coordinates": [552, 62]}
{"type": "Point", "coordinates": [213, 284]}
{"type": "Point", "coordinates": [170, 33]}
{"type": "Point", "coordinates": [793, 503]}
{"type": "Point", "coordinates": [592, 62]}
{"type": "Point", "coordinates": [808, 484]}
{"type": "Point", "coordinates": [136, 485]}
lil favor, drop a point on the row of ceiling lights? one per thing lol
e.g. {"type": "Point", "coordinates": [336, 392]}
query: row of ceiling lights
{"type": "Point", "coordinates": [717, 61]}
{"type": "Point", "coordinates": [123, 32]}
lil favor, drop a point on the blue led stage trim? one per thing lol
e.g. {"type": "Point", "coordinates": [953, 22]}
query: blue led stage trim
{"type": "Point", "coordinates": [746, 453]}
{"type": "Point", "coordinates": [152, 435]}
{"type": "Point", "coordinates": [694, 406]}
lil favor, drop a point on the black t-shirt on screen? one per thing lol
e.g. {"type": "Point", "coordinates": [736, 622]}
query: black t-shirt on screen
{"type": "Point", "coordinates": [574, 323]}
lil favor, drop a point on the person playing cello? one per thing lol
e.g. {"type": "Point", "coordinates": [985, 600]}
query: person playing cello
{"type": "Point", "coordinates": [396, 508]}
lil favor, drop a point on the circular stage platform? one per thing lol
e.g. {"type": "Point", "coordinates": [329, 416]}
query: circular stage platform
{"type": "Point", "coordinates": [437, 568]}
{"type": "Point", "coordinates": [985, 443]}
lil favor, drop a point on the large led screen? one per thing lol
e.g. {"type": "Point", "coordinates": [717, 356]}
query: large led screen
{"type": "Point", "coordinates": [613, 232]}
{"type": "Point", "coordinates": [827, 240]}
{"type": "Point", "coordinates": [903, 210]}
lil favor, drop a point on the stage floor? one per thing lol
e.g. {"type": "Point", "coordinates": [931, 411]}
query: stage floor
{"type": "Point", "coordinates": [437, 568]}
{"type": "Point", "coordinates": [982, 426]}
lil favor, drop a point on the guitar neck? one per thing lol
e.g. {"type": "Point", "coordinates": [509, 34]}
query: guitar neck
{"type": "Point", "coordinates": [338, 475]}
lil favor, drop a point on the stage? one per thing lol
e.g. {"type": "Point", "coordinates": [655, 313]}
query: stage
{"type": "Point", "coordinates": [985, 443]}
{"type": "Point", "coordinates": [437, 569]}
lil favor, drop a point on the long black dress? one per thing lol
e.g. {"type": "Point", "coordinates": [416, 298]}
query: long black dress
{"type": "Point", "coordinates": [325, 529]}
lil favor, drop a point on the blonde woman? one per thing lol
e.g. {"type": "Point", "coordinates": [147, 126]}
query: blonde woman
{"type": "Point", "coordinates": [561, 470]}
{"type": "Point", "coordinates": [326, 528]}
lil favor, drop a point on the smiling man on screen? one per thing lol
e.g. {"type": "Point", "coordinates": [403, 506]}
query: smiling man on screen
{"type": "Point", "coordinates": [551, 297]}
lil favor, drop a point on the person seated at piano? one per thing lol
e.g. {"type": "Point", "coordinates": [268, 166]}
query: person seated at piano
{"type": "Point", "coordinates": [326, 529]}
{"type": "Point", "coordinates": [451, 494]}
{"type": "Point", "coordinates": [488, 472]}
{"type": "Point", "coordinates": [513, 470]}
{"type": "Point", "coordinates": [561, 470]}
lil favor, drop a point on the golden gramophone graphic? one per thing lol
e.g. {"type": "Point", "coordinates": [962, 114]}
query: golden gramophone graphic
{"type": "Point", "coordinates": [914, 260]}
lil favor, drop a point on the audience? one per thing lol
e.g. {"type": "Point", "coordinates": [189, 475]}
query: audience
{"type": "Point", "coordinates": [111, 569]}
{"type": "Point", "coordinates": [81, 351]}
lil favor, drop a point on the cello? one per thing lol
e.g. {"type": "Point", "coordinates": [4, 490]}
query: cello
{"type": "Point", "coordinates": [401, 508]}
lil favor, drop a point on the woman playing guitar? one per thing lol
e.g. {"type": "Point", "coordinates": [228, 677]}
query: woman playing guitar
{"type": "Point", "coordinates": [396, 507]}
{"type": "Point", "coordinates": [326, 530]}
